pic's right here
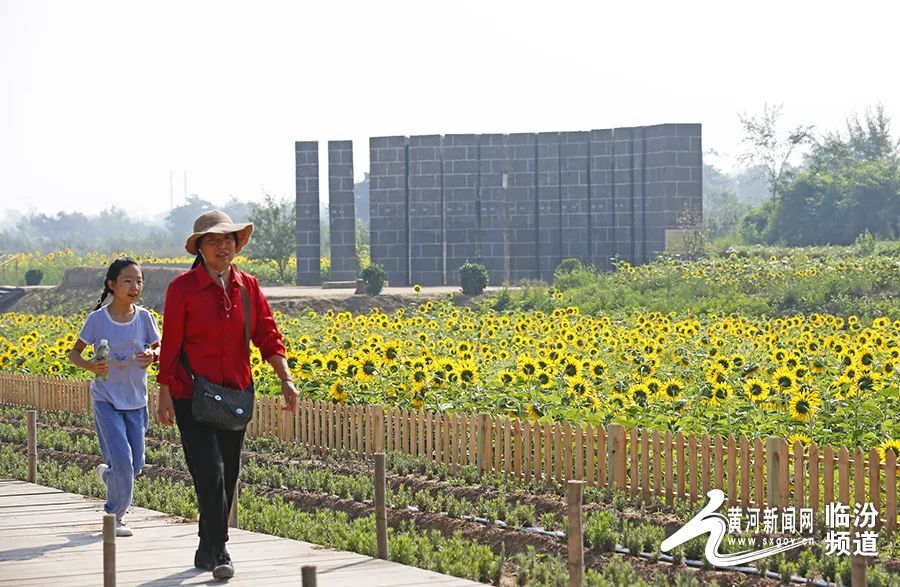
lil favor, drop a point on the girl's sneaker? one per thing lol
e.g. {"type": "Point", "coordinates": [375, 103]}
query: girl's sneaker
{"type": "Point", "coordinates": [101, 470]}
{"type": "Point", "coordinates": [123, 530]}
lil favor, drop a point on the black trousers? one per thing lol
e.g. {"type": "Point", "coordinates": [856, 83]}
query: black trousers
{"type": "Point", "coordinates": [213, 457]}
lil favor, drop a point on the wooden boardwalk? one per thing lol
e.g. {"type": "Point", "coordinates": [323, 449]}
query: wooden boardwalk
{"type": "Point", "coordinates": [49, 537]}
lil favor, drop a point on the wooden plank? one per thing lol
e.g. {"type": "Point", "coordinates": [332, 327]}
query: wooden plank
{"type": "Point", "coordinates": [517, 449]}
{"type": "Point", "coordinates": [579, 452]}
{"type": "Point", "coordinates": [42, 552]}
{"type": "Point", "coordinates": [454, 443]}
{"type": "Point", "coordinates": [507, 445]}
{"type": "Point", "coordinates": [670, 480]}
{"type": "Point", "coordinates": [547, 439]}
{"type": "Point", "coordinates": [645, 465]}
{"type": "Point", "coordinates": [429, 436]}
{"type": "Point", "coordinates": [388, 429]}
{"type": "Point", "coordinates": [528, 462]}
{"type": "Point", "coordinates": [422, 446]}
{"type": "Point", "coordinates": [473, 440]}
{"type": "Point", "coordinates": [590, 455]}
{"type": "Point", "coordinates": [759, 464]}
{"type": "Point", "coordinates": [704, 463]}
{"type": "Point", "coordinates": [633, 450]}
{"type": "Point", "coordinates": [536, 449]}
{"type": "Point", "coordinates": [828, 474]}
{"type": "Point", "coordinates": [679, 465]}
{"type": "Point", "coordinates": [875, 484]}
{"type": "Point", "coordinates": [446, 432]}
{"type": "Point", "coordinates": [567, 441]}
{"type": "Point", "coordinates": [844, 475]}
{"type": "Point", "coordinates": [813, 476]}
{"type": "Point", "coordinates": [745, 472]}
{"type": "Point", "coordinates": [859, 475]}
{"type": "Point", "coordinates": [601, 456]}
{"type": "Point", "coordinates": [657, 465]}
{"type": "Point", "coordinates": [692, 463]}
{"type": "Point", "coordinates": [718, 463]}
{"type": "Point", "coordinates": [890, 489]}
{"type": "Point", "coordinates": [799, 480]}
{"type": "Point", "coordinates": [496, 433]}
{"type": "Point", "coordinates": [732, 471]}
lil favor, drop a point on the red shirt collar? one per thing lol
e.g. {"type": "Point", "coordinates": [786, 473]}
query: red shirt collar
{"type": "Point", "coordinates": [203, 279]}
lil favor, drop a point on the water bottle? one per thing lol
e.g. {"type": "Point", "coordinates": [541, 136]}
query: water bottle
{"type": "Point", "coordinates": [101, 353]}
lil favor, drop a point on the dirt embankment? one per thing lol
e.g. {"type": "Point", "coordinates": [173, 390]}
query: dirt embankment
{"type": "Point", "coordinates": [81, 288]}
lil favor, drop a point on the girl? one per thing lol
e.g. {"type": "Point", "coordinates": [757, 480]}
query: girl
{"type": "Point", "coordinates": [119, 391]}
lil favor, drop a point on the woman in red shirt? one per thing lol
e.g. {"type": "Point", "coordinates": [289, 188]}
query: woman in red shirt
{"type": "Point", "coordinates": [204, 316]}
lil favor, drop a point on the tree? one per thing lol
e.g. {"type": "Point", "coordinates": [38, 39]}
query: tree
{"type": "Point", "coordinates": [768, 148]}
{"type": "Point", "coordinates": [180, 220]}
{"type": "Point", "coordinates": [273, 232]}
{"type": "Point", "coordinates": [850, 185]}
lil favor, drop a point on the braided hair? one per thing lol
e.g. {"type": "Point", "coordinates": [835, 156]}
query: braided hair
{"type": "Point", "coordinates": [111, 275]}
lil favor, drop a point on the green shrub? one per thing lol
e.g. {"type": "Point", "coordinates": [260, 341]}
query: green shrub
{"type": "Point", "coordinates": [33, 277]}
{"type": "Point", "coordinates": [373, 277]}
{"type": "Point", "coordinates": [473, 278]}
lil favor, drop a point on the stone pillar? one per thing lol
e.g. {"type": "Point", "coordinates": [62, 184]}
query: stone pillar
{"type": "Point", "coordinates": [549, 247]}
{"type": "Point", "coordinates": [308, 247]}
{"type": "Point", "coordinates": [460, 186]}
{"type": "Point", "coordinates": [426, 209]}
{"type": "Point", "coordinates": [341, 211]}
{"type": "Point", "coordinates": [389, 206]}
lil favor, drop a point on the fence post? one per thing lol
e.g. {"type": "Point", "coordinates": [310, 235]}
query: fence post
{"type": "Point", "coordinates": [575, 535]}
{"type": "Point", "coordinates": [308, 575]}
{"type": "Point", "coordinates": [776, 461]}
{"type": "Point", "coordinates": [233, 512]}
{"type": "Point", "coordinates": [615, 450]}
{"type": "Point", "coordinates": [109, 550]}
{"type": "Point", "coordinates": [31, 423]}
{"type": "Point", "coordinates": [858, 569]}
{"type": "Point", "coordinates": [380, 507]}
{"type": "Point", "coordinates": [379, 429]}
{"type": "Point", "coordinates": [484, 444]}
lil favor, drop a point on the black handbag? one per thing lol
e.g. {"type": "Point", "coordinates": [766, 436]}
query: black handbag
{"type": "Point", "coordinates": [217, 406]}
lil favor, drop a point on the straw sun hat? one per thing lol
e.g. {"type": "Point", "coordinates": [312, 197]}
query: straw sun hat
{"type": "Point", "coordinates": [216, 222]}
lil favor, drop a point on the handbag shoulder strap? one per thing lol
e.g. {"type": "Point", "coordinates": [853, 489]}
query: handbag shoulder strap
{"type": "Point", "coordinates": [245, 300]}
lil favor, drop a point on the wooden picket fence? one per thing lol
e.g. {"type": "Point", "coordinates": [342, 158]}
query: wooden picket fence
{"type": "Point", "coordinates": [647, 464]}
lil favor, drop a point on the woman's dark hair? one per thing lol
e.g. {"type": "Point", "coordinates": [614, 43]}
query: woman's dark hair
{"type": "Point", "coordinates": [199, 259]}
{"type": "Point", "coordinates": [112, 274]}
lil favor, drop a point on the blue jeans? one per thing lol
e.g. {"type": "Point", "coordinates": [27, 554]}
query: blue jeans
{"type": "Point", "coordinates": [121, 434]}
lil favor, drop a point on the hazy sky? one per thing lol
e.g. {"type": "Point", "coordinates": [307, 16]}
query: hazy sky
{"type": "Point", "coordinates": [100, 101]}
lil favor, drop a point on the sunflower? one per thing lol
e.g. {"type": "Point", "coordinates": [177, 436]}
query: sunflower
{"type": "Point", "coordinates": [801, 438]}
{"type": "Point", "coordinates": [784, 379]}
{"type": "Point", "coordinates": [889, 445]}
{"type": "Point", "coordinates": [715, 374]}
{"type": "Point", "coordinates": [718, 394]}
{"type": "Point", "coordinates": [333, 361]}
{"type": "Point", "coordinates": [639, 393]}
{"type": "Point", "coordinates": [757, 390]}
{"type": "Point", "coordinates": [527, 366]}
{"type": "Point", "coordinates": [533, 412]}
{"type": "Point", "coordinates": [654, 386]}
{"type": "Point", "coordinates": [578, 387]}
{"type": "Point", "coordinates": [803, 405]}
{"type": "Point", "coordinates": [570, 367]}
{"type": "Point", "coordinates": [418, 375]}
{"type": "Point", "coordinates": [544, 378]}
{"type": "Point", "coordinates": [338, 391]}
{"type": "Point", "coordinates": [672, 389]}
{"type": "Point", "coordinates": [467, 372]}
{"type": "Point", "coordinates": [506, 377]}
{"type": "Point", "coordinates": [390, 352]}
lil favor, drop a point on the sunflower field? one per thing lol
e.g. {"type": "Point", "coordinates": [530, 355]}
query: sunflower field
{"type": "Point", "coordinates": [820, 377]}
